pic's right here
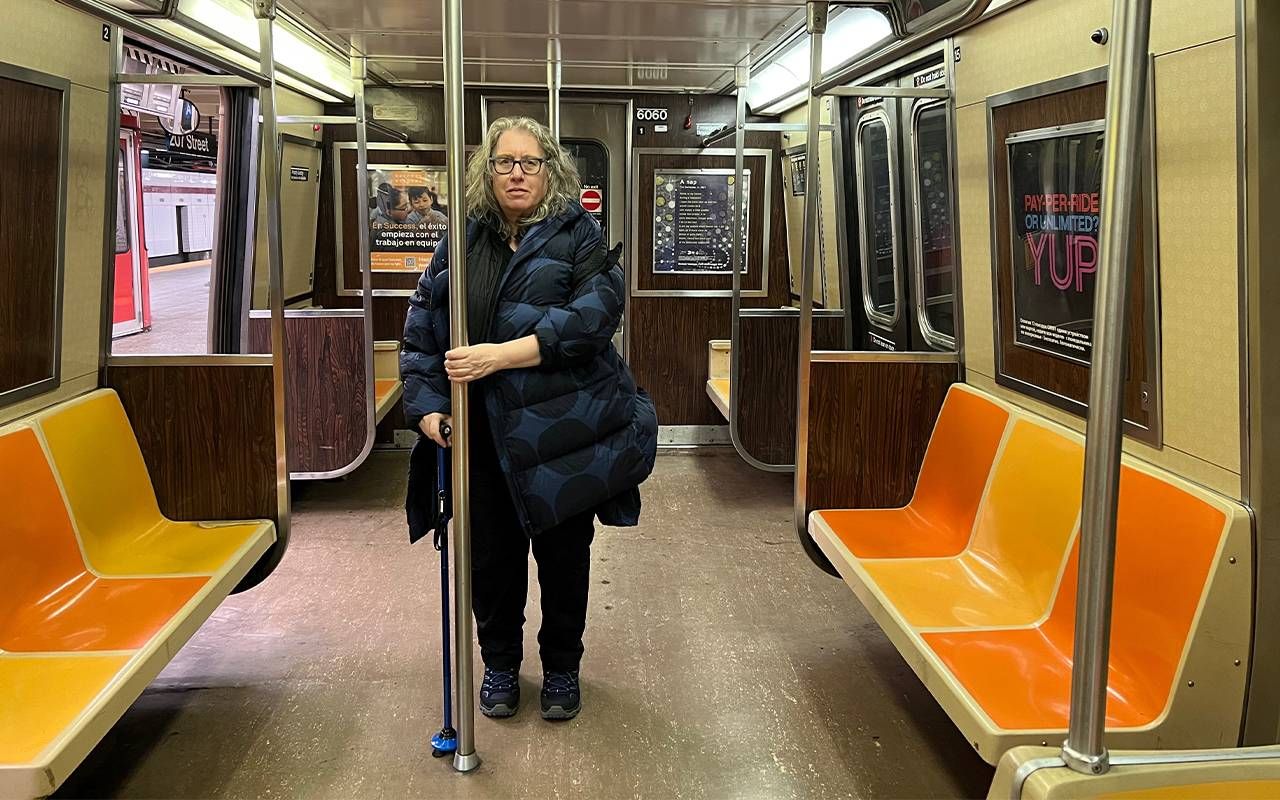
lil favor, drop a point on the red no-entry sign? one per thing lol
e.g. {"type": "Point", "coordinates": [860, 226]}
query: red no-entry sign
{"type": "Point", "coordinates": [590, 199]}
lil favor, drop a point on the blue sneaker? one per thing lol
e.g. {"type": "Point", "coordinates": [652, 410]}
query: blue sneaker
{"type": "Point", "coordinates": [561, 695]}
{"type": "Point", "coordinates": [500, 692]}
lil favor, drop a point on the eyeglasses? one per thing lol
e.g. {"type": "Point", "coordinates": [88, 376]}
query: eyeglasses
{"type": "Point", "coordinates": [502, 165]}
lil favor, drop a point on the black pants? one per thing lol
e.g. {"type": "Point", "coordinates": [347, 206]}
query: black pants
{"type": "Point", "coordinates": [500, 569]}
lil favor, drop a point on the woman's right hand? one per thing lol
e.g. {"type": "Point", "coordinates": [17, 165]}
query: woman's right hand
{"type": "Point", "coordinates": [430, 425]}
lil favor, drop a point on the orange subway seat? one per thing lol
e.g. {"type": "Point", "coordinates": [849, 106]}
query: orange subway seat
{"type": "Point", "coordinates": [939, 520]}
{"type": "Point", "coordinates": [1010, 570]}
{"type": "Point", "coordinates": [382, 389]}
{"type": "Point", "coordinates": [51, 600]}
{"type": "Point", "coordinates": [1167, 542]}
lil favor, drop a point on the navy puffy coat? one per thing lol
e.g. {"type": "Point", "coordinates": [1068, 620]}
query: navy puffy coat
{"type": "Point", "coordinates": [574, 434]}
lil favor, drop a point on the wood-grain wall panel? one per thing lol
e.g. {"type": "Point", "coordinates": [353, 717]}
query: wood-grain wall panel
{"type": "Point", "coordinates": [30, 138]}
{"type": "Point", "coordinates": [389, 314]}
{"type": "Point", "coordinates": [1058, 376]}
{"type": "Point", "coordinates": [767, 384]}
{"type": "Point", "coordinates": [667, 341]}
{"type": "Point", "coordinates": [207, 434]}
{"type": "Point", "coordinates": [668, 354]}
{"type": "Point", "coordinates": [327, 408]}
{"type": "Point", "coordinates": [869, 425]}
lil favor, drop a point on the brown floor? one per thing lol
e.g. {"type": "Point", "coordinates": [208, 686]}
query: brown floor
{"type": "Point", "coordinates": [720, 663]}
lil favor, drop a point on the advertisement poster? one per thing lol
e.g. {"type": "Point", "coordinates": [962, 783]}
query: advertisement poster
{"type": "Point", "coordinates": [1055, 182]}
{"type": "Point", "coordinates": [691, 222]}
{"type": "Point", "coordinates": [408, 216]}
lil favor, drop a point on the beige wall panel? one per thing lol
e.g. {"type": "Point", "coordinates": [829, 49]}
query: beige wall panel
{"type": "Point", "coordinates": [800, 116]}
{"type": "Point", "coordinates": [830, 222]}
{"type": "Point", "coordinates": [69, 389]}
{"type": "Point", "coordinates": [1046, 39]}
{"type": "Point", "coordinates": [1179, 463]}
{"type": "Point", "coordinates": [974, 201]}
{"type": "Point", "coordinates": [47, 36]}
{"type": "Point", "coordinates": [290, 103]}
{"type": "Point", "coordinates": [297, 220]}
{"type": "Point", "coordinates": [82, 282]}
{"type": "Point", "coordinates": [1196, 157]}
{"type": "Point", "coordinates": [83, 257]}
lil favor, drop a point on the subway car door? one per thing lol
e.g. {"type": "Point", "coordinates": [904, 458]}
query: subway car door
{"type": "Point", "coordinates": [131, 294]}
{"type": "Point", "coordinates": [928, 211]}
{"type": "Point", "coordinates": [592, 159]}
{"type": "Point", "coordinates": [882, 259]}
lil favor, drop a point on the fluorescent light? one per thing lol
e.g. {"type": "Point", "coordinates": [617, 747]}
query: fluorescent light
{"type": "Point", "coordinates": [234, 19]}
{"type": "Point", "coordinates": [850, 32]}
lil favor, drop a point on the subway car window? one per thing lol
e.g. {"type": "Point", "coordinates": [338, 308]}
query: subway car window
{"type": "Point", "coordinates": [167, 171]}
{"type": "Point", "coordinates": [122, 206]}
{"type": "Point", "coordinates": [879, 239]}
{"type": "Point", "coordinates": [935, 262]}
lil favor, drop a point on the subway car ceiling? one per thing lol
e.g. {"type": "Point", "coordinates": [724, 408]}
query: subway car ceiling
{"type": "Point", "coordinates": [648, 46]}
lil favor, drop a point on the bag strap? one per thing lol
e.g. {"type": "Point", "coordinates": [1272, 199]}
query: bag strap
{"type": "Point", "coordinates": [600, 260]}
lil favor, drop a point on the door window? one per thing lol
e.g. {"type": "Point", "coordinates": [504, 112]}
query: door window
{"type": "Point", "coordinates": [878, 232]}
{"type": "Point", "coordinates": [934, 242]}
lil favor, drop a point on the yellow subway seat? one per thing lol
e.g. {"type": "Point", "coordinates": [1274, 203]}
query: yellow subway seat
{"type": "Point", "coordinates": [1005, 576]}
{"type": "Point", "coordinates": [112, 500]}
{"type": "Point", "coordinates": [1218, 790]}
{"type": "Point", "coordinates": [41, 697]}
{"type": "Point", "coordinates": [171, 548]}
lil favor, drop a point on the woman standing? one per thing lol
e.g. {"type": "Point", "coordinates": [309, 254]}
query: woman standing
{"type": "Point", "coordinates": [560, 433]}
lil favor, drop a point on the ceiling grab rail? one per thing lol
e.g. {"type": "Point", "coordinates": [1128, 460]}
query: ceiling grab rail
{"type": "Point", "coordinates": [1084, 750]}
{"type": "Point", "coordinates": [465, 758]}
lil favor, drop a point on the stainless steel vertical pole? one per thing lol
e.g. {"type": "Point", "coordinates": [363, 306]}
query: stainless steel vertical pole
{"type": "Point", "coordinates": [360, 73]}
{"type": "Point", "coordinates": [553, 86]}
{"type": "Point", "coordinates": [465, 759]}
{"type": "Point", "coordinates": [553, 68]}
{"type": "Point", "coordinates": [269, 156]}
{"type": "Point", "coordinates": [817, 25]}
{"type": "Point", "coordinates": [1084, 750]}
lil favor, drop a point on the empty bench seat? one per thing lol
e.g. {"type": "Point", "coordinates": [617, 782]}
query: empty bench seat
{"type": "Point", "coordinates": [387, 386]}
{"type": "Point", "coordinates": [939, 519]}
{"type": "Point", "coordinates": [718, 369]}
{"type": "Point", "coordinates": [100, 590]}
{"type": "Point", "coordinates": [989, 628]}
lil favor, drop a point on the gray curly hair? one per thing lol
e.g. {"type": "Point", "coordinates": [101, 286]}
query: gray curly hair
{"type": "Point", "coordinates": [563, 184]}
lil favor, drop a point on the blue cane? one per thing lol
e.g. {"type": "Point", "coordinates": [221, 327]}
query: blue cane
{"type": "Point", "coordinates": [446, 741]}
